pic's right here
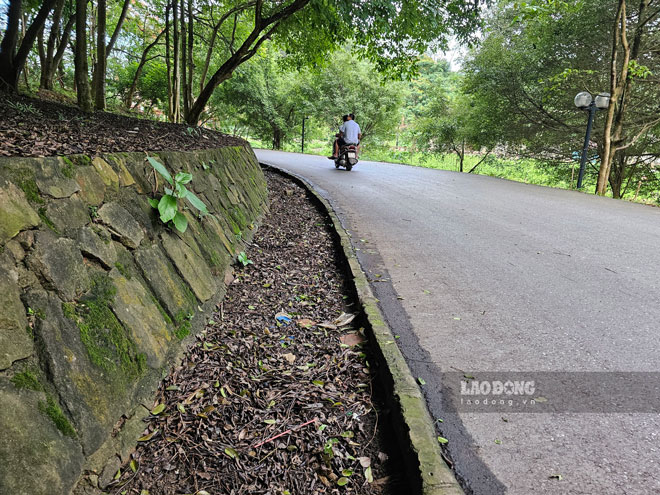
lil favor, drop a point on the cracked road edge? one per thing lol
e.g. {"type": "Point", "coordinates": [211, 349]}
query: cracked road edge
{"type": "Point", "coordinates": [417, 435]}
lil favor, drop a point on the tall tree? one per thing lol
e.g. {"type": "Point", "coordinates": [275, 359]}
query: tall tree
{"type": "Point", "coordinates": [534, 60]}
{"type": "Point", "coordinates": [391, 34]}
{"type": "Point", "coordinates": [98, 81]}
{"type": "Point", "coordinates": [81, 70]}
{"type": "Point", "coordinates": [12, 55]}
{"type": "Point", "coordinates": [625, 67]}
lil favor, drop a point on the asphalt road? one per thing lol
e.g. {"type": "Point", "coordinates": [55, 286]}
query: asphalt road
{"type": "Point", "coordinates": [477, 275]}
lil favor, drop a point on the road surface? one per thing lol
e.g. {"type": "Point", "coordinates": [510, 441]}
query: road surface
{"type": "Point", "coordinates": [483, 277]}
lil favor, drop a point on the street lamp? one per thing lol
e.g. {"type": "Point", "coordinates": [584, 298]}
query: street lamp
{"type": "Point", "coordinates": [584, 101]}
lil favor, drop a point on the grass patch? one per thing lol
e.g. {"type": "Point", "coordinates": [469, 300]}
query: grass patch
{"type": "Point", "coordinates": [27, 379]}
{"type": "Point", "coordinates": [53, 411]}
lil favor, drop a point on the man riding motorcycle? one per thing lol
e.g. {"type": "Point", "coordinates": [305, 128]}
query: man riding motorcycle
{"type": "Point", "coordinates": [349, 133]}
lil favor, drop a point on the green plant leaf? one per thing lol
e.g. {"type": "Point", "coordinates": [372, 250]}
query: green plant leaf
{"type": "Point", "coordinates": [160, 168]}
{"type": "Point", "coordinates": [196, 202]}
{"type": "Point", "coordinates": [182, 178]}
{"type": "Point", "coordinates": [342, 481]}
{"type": "Point", "coordinates": [182, 191]}
{"type": "Point", "coordinates": [158, 409]}
{"type": "Point", "coordinates": [231, 452]}
{"type": "Point", "coordinates": [167, 208]}
{"type": "Point", "coordinates": [153, 202]}
{"type": "Point", "coordinates": [180, 222]}
{"type": "Point", "coordinates": [369, 475]}
{"type": "Point", "coordinates": [443, 440]}
{"type": "Point", "coordinates": [148, 436]}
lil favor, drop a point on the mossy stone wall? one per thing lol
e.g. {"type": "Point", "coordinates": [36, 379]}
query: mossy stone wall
{"type": "Point", "coordinates": [98, 297]}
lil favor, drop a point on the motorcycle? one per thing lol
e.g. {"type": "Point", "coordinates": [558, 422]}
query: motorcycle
{"type": "Point", "coordinates": [348, 157]}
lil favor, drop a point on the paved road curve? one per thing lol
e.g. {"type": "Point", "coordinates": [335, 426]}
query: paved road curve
{"type": "Point", "coordinates": [479, 274]}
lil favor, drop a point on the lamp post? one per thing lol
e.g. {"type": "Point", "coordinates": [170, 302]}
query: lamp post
{"type": "Point", "coordinates": [584, 101]}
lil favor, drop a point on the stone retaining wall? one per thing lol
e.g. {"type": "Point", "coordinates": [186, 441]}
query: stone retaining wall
{"type": "Point", "coordinates": [97, 297]}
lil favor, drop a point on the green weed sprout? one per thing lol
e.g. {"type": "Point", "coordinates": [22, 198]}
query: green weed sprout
{"type": "Point", "coordinates": [168, 204]}
{"type": "Point", "coordinates": [242, 257]}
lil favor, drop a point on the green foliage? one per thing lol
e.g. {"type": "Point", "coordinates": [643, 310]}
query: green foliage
{"type": "Point", "coordinates": [243, 259]}
{"type": "Point", "coordinates": [168, 205]}
{"type": "Point", "coordinates": [123, 270]}
{"type": "Point", "coordinates": [152, 85]}
{"type": "Point", "coordinates": [183, 324]}
{"type": "Point", "coordinates": [105, 339]}
{"type": "Point", "coordinates": [51, 409]}
{"type": "Point", "coordinates": [23, 108]}
{"type": "Point", "coordinates": [536, 56]}
{"type": "Point", "coordinates": [27, 379]}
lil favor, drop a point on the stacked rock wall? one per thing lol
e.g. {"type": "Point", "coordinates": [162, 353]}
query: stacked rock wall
{"type": "Point", "coordinates": [97, 297]}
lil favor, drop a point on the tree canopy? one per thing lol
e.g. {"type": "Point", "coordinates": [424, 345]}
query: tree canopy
{"type": "Point", "coordinates": [202, 43]}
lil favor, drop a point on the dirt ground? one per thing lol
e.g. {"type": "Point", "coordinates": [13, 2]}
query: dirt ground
{"type": "Point", "coordinates": [276, 396]}
{"type": "Point", "coordinates": [35, 127]}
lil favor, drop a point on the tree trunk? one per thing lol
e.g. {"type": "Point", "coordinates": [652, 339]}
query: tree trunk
{"type": "Point", "coordinates": [263, 29]}
{"type": "Point", "coordinates": [41, 51]}
{"type": "Point", "coordinates": [128, 101]}
{"type": "Point", "coordinates": [8, 72]}
{"type": "Point", "coordinates": [184, 61]}
{"type": "Point", "coordinates": [620, 89]}
{"type": "Point", "coordinates": [59, 54]}
{"type": "Point", "coordinates": [48, 65]}
{"type": "Point", "coordinates": [461, 155]}
{"type": "Point", "coordinates": [12, 60]}
{"type": "Point", "coordinates": [176, 85]}
{"type": "Point", "coordinates": [101, 57]}
{"type": "Point", "coordinates": [618, 175]}
{"type": "Point", "coordinates": [167, 62]}
{"type": "Point", "coordinates": [120, 23]}
{"type": "Point", "coordinates": [277, 139]}
{"type": "Point", "coordinates": [81, 74]}
{"type": "Point", "coordinates": [191, 62]}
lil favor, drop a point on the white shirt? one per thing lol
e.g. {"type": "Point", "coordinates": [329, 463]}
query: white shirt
{"type": "Point", "coordinates": [350, 130]}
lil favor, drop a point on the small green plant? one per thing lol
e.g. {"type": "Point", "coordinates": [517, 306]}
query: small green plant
{"type": "Point", "coordinates": [168, 205]}
{"type": "Point", "coordinates": [244, 260]}
{"type": "Point", "coordinates": [191, 131]}
{"type": "Point", "coordinates": [21, 107]}
{"type": "Point", "coordinates": [93, 212]}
